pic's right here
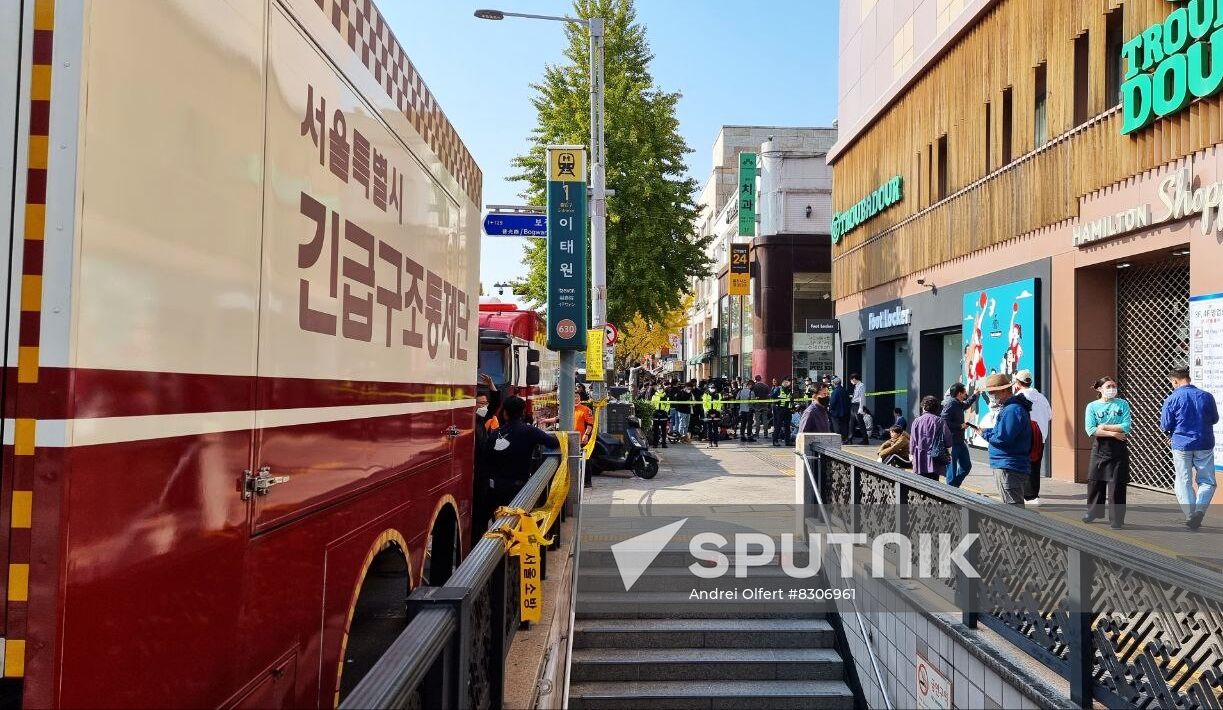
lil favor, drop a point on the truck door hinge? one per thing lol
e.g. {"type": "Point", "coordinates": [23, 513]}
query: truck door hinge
{"type": "Point", "coordinates": [258, 484]}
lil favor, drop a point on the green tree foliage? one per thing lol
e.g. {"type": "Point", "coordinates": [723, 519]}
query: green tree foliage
{"type": "Point", "coordinates": [652, 250]}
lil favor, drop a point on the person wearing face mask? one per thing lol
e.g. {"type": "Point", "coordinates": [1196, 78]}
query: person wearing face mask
{"type": "Point", "coordinates": [955, 405]}
{"type": "Point", "coordinates": [781, 413]}
{"type": "Point", "coordinates": [662, 414]}
{"type": "Point", "coordinates": [683, 410]}
{"type": "Point", "coordinates": [1108, 422]}
{"type": "Point", "coordinates": [488, 402]}
{"type": "Point", "coordinates": [816, 419]}
{"type": "Point", "coordinates": [1009, 439]}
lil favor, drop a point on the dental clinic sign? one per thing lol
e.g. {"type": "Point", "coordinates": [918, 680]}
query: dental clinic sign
{"type": "Point", "coordinates": [1171, 63]}
{"type": "Point", "coordinates": [1178, 198]}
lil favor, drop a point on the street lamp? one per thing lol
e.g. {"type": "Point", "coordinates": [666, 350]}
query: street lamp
{"type": "Point", "coordinates": [598, 186]}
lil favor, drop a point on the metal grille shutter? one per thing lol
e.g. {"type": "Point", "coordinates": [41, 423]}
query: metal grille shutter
{"type": "Point", "coordinates": [1152, 338]}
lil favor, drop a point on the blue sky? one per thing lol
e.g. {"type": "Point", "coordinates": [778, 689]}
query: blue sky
{"type": "Point", "coordinates": [770, 62]}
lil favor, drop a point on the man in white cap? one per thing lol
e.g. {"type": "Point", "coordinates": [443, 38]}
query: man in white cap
{"type": "Point", "coordinates": [1042, 415]}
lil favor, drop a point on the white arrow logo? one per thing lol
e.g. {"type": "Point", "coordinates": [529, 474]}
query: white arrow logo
{"type": "Point", "coordinates": [635, 554]}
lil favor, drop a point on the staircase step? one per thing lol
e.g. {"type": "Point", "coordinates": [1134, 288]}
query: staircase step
{"type": "Point", "coordinates": [703, 633]}
{"type": "Point", "coordinates": [670, 579]}
{"type": "Point", "coordinates": [678, 605]}
{"type": "Point", "coordinates": [728, 695]}
{"type": "Point", "coordinates": [681, 558]}
{"type": "Point", "coordinates": [601, 664]}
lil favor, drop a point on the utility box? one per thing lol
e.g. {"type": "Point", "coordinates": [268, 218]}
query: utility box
{"type": "Point", "coordinates": [617, 414]}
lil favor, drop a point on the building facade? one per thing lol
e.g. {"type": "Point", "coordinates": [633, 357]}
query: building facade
{"type": "Point", "coordinates": [1031, 184]}
{"type": "Point", "coordinates": [788, 250]}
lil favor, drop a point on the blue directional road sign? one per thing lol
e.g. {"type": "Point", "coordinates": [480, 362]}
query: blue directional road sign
{"type": "Point", "coordinates": [499, 224]}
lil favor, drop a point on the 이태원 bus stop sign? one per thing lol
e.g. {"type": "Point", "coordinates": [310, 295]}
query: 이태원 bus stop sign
{"type": "Point", "coordinates": [566, 247]}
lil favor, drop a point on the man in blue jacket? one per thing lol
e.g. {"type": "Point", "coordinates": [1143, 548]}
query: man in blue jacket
{"type": "Point", "coordinates": [1010, 439]}
{"type": "Point", "coordinates": [838, 410]}
{"type": "Point", "coordinates": [1189, 416]}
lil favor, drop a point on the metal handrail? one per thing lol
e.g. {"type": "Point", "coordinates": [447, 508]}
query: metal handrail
{"type": "Point", "coordinates": [870, 650]}
{"type": "Point", "coordinates": [1192, 578]}
{"type": "Point", "coordinates": [432, 633]}
{"type": "Point", "coordinates": [1122, 658]}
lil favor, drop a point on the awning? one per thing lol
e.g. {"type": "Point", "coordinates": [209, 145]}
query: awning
{"type": "Point", "coordinates": [699, 359]}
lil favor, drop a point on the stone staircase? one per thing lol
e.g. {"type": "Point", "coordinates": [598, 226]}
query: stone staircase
{"type": "Point", "coordinates": [655, 647]}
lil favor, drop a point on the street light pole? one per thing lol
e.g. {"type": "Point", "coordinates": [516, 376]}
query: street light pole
{"type": "Point", "coordinates": [598, 196]}
{"type": "Point", "coordinates": [598, 201]}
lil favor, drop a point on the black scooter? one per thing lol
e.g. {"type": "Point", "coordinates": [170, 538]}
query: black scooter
{"type": "Point", "coordinates": [633, 454]}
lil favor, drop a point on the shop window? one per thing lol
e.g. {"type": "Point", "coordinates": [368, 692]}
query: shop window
{"type": "Point", "coordinates": [1007, 114]}
{"type": "Point", "coordinates": [988, 135]}
{"type": "Point", "coordinates": [1040, 117]}
{"type": "Point", "coordinates": [929, 173]}
{"type": "Point", "coordinates": [942, 167]}
{"type": "Point", "coordinates": [1114, 64]}
{"type": "Point", "coordinates": [1082, 78]}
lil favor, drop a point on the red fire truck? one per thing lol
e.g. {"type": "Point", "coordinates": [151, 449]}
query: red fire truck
{"type": "Point", "coordinates": [514, 353]}
{"type": "Point", "coordinates": [241, 349]}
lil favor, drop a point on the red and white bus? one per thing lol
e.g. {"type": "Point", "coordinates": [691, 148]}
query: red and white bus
{"type": "Point", "coordinates": [241, 350]}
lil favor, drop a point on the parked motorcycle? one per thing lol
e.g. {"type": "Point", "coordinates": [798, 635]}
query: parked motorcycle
{"type": "Point", "coordinates": [631, 454]}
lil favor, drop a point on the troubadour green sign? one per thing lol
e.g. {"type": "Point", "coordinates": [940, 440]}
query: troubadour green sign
{"type": "Point", "coordinates": [886, 195]}
{"type": "Point", "coordinates": [1171, 63]}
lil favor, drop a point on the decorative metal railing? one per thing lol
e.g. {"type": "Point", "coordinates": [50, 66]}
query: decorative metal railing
{"type": "Point", "coordinates": [452, 653]}
{"type": "Point", "coordinates": [1125, 626]}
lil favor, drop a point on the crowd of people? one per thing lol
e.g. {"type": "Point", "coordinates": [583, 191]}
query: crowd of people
{"type": "Point", "coordinates": [720, 409]}
{"type": "Point", "coordinates": [1015, 428]}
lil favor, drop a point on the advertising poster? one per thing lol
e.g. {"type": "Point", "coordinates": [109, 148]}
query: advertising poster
{"type": "Point", "coordinates": [1206, 353]}
{"type": "Point", "coordinates": [999, 336]}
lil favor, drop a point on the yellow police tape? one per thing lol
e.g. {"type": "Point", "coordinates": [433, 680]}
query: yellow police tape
{"type": "Point", "coordinates": [697, 402]}
{"type": "Point", "coordinates": [523, 537]}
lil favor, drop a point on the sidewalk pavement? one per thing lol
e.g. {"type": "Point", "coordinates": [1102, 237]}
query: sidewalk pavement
{"type": "Point", "coordinates": [1153, 520]}
{"type": "Point", "coordinates": [695, 474]}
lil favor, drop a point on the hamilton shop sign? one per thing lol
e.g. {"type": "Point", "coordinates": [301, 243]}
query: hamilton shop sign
{"type": "Point", "coordinates": [1179, 200]}
{"type": "Point", "coordinates": [1171, 63]}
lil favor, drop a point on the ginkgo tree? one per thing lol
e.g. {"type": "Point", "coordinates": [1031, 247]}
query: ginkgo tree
{"type": "Point", "coordinates": [640, 338]}
{"type": "Point", "coordinates": [653, 252]}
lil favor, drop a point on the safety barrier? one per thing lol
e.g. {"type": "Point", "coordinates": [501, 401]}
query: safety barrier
{"type": "Point", "coordinates": [453, 652]}
{"type": "Point", "coordinates": [1123, 625]}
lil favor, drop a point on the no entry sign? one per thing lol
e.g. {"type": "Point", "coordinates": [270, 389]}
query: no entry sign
{"type": "Point", "coordinates": [610, 334]}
